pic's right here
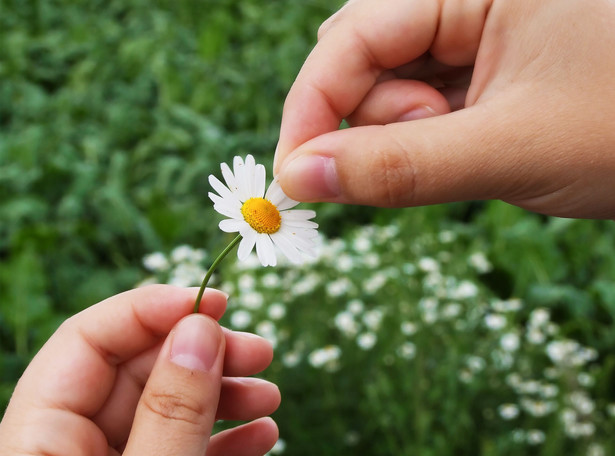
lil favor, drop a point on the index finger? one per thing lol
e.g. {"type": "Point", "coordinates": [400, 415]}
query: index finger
{"type": "Point", "coordinates": [362, 41]}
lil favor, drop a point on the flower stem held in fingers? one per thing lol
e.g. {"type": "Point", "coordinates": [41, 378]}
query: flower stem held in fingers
{"type": "Point", "coordinates": [212, 268]}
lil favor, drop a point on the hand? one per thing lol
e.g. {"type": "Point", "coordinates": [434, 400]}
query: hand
{"type": "Point", "coordinates": [533, 126]}
{"type": "Point", "coordinates": [138, 374]}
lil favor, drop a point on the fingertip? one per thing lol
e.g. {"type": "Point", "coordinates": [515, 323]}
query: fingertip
{"type": "Point", "coordinates": [246, 353]}
{"type": "Point", "coordinates": [213, 303]}
{"type": "Point", "coordinates": [259, 436]}
{"type": "Point", "coordinates": [271, 426]}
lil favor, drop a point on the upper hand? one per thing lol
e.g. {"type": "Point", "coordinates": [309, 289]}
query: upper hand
{"type": "Point", "coordinates": [515, 102]}
{"type": "Point", "coordinates": [125, 376]}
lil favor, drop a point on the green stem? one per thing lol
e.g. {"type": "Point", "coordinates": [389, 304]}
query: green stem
{"type": "Point", "coordinates": [212, 269]}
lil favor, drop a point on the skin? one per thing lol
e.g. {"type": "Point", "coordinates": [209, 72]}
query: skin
{"type": "Point", "coordinates": [139, 374]}
{"type": "Point", "coordinates": [453, 100]}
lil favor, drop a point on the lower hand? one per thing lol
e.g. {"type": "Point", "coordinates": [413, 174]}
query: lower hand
{"type": "Point", "coordinates": [137, 375]}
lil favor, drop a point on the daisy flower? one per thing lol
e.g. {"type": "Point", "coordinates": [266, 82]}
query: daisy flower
{"type": "Point", "coordinates": [262, 218]}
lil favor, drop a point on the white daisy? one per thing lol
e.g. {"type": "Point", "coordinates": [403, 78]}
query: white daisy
{"type": "Point", "coordinates": [263, 219]}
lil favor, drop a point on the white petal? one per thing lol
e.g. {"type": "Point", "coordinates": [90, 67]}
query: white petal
{"type": "Point", "coordinates": [239, 170]}
{"type": "Point", "coordinates": [265, 250]}
{"type": "Point", "coordinates": [229, 202]}
{"type": "Point", "coordinates": [249, 177]}
{"type": "Point", "coordinates": [297, 223]}
{"type": "Point", "coordinates": [286, 203]}
{"type": "Point", "coordinates": [276, 195]}
{"type": "Point", "coordinates": [246, 245]}
{"type": "Point", "coordinates": [250, 163]}
{"type": "Point", "coordinates": [224, 207]}
{"type": "Point", "coordinates": [285, 244]}
{"type": "Point", "coordinates": [231, 225]}
{"type": "Point", "coordinates": [306, 225]}
{"type": "Point", "coordinates": [224, 210]}
{"type": "Point", "coordinates": [229, 177]}
{"type": "Point", "coordinates": [258, 183]}
{"type": "Point", "coordinates": [222, 189]}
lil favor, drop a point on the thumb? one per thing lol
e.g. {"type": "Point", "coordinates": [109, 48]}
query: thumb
{"type": "Point", "coordinates": [474, 153]}
{"type": "Point", "coordinates": [177, 409]}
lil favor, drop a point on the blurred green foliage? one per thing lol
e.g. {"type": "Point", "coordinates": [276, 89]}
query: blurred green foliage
{"type": "Point", "coordinates": [113, 113]}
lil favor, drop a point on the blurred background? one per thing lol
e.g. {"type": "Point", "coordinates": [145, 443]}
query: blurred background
{"type": "Point", "coordinates": [472, 328]}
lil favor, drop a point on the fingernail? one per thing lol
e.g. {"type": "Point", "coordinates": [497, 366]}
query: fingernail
{"type": "Point", "coordinates": [222, 292]}
{"type": "Point", "coordinates": [421, 112]}
{"type": "Point", "coordinates": [313, 177]}
{"type": "Point", "coordinates": [196, 343]}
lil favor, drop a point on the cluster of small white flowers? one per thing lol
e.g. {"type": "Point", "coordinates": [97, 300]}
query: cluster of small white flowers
{"type": "Point", "coordinates": [241, 319]}
{"type": "Point", "coordinates": [448, 303]}
{"type": "Point", "coordinates": [480, 263]}
{"type": "Point", "coordinates": [539, 398]}
{"type": "Point", "coordinates": [375, 282]}
{"type": "Point", "coordinates": [507, 305]}
{"type": "Point", "coordinates": [276, 311]}
{"type": "Point", "coordinates": [539, 327]}
{"type": "Point", "coordinates": [156, 262]}
{"type": "Point", "coordinates": [574, 425]}
{"type": "Point", "coordinates": [182, 268]}
{"type": "Point", "coordinates": [339, 287]}
{"type": "Point", "coordinates": [326, 358]}
{"type": "Point", "coordinates": [464, 290]}
{"type": "Point", "coordinates": [538, 407]}
{"type": "Point", "coordinates": [268, 330]}
{"type": "Point", "coordinates": [569, 353]}
{"type": "Point", "coordinates": [346, 323]}
{"type": "Point", "coordinates": [509, 342]}
{"type": "Point", "coordinates": [476, 363]}
{"type": "Point", "coordinates": [306, 285]}
{"type": "Point", "coordinates": [595, 449]}
{"type": "Point", "coordinates": [495, 321]}
{"type": "Point", "coordinates": [367, 340]}
{"type": "Point", "coordinates": [508, 411]}
{"type": "Point", "coordinates": [406, 350]}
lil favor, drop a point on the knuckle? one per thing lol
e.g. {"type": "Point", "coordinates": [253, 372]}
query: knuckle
{"type": "Point", "coordinates": [395, 184]}
{"type": "Point", "coordinates": [174, 407]}
{"type": "Point", "coordinates": [333, 19]}
{"type": "Point", "coordinates": [325, 26]}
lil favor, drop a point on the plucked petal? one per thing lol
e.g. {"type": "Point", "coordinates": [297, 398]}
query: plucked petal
{"type": "Point", "coordinates": [276, 195]}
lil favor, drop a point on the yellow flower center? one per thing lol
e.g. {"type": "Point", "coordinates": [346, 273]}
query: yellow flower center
{"type": "Point", "coordinates": [262, 215]}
